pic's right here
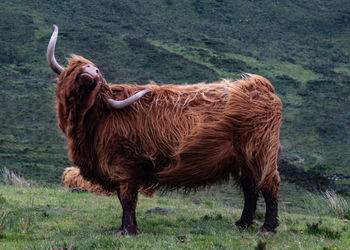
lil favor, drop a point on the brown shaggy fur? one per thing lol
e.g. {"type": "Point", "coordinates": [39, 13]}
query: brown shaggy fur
{"type": "Point", "coordinates": [182, 136]}
{"type": "Point", "coordinates": [72, 179]}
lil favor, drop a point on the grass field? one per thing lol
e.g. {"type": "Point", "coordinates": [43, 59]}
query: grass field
{"type": "Point", "coordinates": [56, 218]}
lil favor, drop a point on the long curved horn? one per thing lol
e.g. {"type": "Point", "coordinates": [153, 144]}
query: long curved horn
{"type": "Point", "coordinates": [122, 104]}
{"type": "Point", "coordinates": [50, 54]}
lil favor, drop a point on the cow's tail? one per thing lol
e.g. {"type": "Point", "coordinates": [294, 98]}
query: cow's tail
{"type": "Point", "coordinates": [72, 178]}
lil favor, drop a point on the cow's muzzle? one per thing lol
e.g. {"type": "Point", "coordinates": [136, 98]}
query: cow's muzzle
{"type": "Point", "coordinates": [89, 76]}
{"type": "Point", "coordinates": [89, 70]}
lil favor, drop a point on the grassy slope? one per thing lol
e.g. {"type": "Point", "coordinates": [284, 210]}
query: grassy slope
{"type": "Point", "coordinates": [302, 46]}
{"type": "Point", "coordinates": [59, 218]}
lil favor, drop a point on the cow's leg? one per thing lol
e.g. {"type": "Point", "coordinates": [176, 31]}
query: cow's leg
{"type": "Point", "coordinates": [270, 193]}
{"type": "Point", "coordinates": [250, 199]}
{"type": "Point", "coordinates": [121, 228]}
{"type": "Point", "coordinates": [127, 195]}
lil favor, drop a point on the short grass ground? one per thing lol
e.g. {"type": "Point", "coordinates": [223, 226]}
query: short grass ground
{"type": "Point", "coordinates": [56, 218]}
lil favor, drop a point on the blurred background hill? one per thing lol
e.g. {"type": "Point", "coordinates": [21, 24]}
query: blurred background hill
{"type": "Point", "coordinates": [302, 47]}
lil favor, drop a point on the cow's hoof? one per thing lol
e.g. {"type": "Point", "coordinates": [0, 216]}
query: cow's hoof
{"type": "Point", "coordinates": [243, 224]}
{"type": "Point", "coordinates": [121, 232]}
{"type": "Point", "coordinates": [267, 230]}
{"type": "Point", "coordinates": [124, 232]}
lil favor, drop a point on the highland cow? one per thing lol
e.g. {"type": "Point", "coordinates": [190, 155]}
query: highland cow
{"type": "Point", "coordinates": [126, 137]}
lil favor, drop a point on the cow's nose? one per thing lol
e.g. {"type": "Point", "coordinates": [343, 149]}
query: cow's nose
{"type": "Point", "coordinates": [88, 68]}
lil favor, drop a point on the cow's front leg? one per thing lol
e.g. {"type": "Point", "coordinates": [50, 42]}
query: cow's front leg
{"type": "Point", "coordinates": [127, 195]}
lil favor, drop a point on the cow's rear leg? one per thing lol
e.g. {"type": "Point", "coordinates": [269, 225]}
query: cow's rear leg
{"type": "Point", "coordinates": [251, 194]}
{"type": "Point", "coordinates": [127, 194]}
{"type": "Point", "coordinates": [270, 192]}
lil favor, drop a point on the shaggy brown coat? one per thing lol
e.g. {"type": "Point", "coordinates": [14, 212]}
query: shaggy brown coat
{"type": "Point", "coordinates": [182, 136]}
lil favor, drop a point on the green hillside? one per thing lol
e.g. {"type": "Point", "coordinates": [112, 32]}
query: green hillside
{"type": "Point", "coordinates": [303, 47]}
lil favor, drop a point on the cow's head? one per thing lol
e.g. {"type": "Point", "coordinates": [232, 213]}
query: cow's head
{"type": "Point", "coordinates": [81, 76]}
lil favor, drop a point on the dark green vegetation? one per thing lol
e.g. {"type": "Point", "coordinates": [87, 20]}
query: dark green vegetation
{"type": "Point", "coordinates": [301, 46]}
{"type": "Point", "coordinates": [45, 218]}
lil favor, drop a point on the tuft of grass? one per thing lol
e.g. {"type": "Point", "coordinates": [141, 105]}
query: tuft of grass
{"type": "Point", "coordinates": [338, 205]}
{"type": "Point", "coordinates": [261, 245]}
{"type": "Point", "coordinates": [14, 179]}
{"type": "Point", "coordinates": [10, 178]}
{"type": "Point", "coordinates": [2, 200]}
{"type": "Point", "coordinates": [29, 212]}
{"type": "Point", "coordinates": [3, 215]}
{"type": "Point", "coordinates": [315, 229]}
